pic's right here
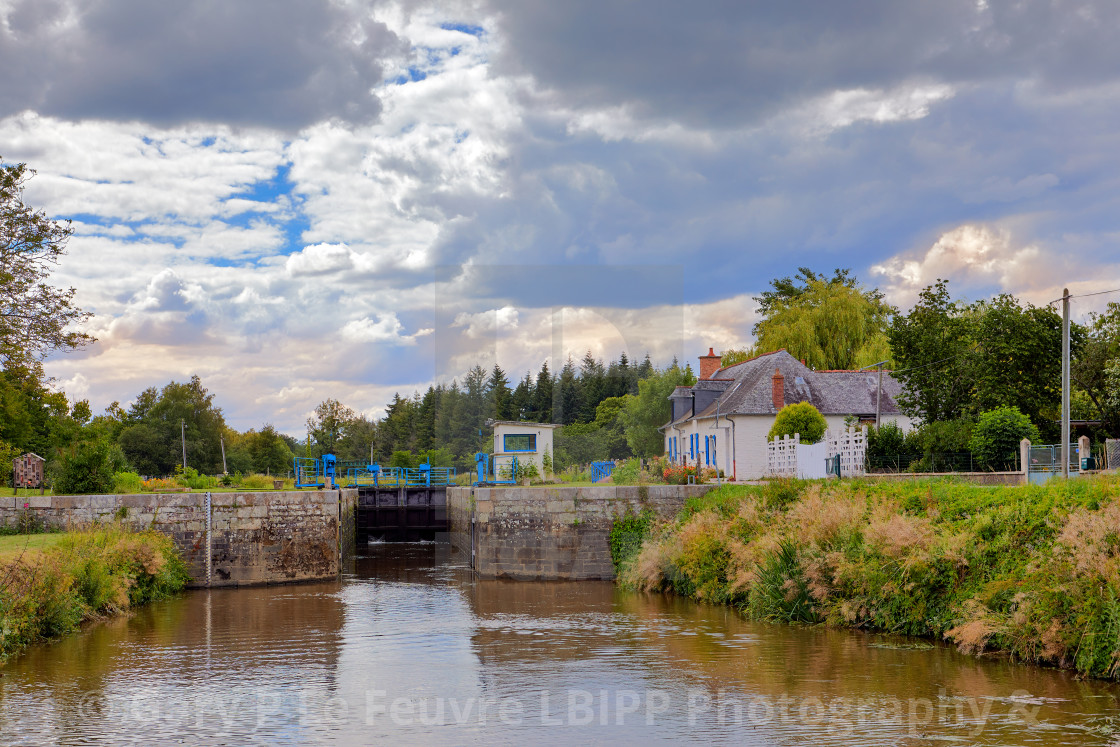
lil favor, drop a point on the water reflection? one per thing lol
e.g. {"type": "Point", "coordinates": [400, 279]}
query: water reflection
{"type": "Point", "coordinates": [410, 647]}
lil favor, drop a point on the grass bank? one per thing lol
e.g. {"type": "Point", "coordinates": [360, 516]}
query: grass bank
{"type": "Point", "coordinates": [51, 584]}
{"type": "Point", "coordinates": [1032, 571]}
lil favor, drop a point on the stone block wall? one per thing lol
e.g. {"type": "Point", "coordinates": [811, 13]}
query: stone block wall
{"type": "Point", "coordinates": [550, 532]}
{"type": "Point", "coordinates": [251, 537]}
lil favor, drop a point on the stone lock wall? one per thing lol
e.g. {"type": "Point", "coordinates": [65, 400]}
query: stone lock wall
{"type": "Point", "coordinates": [251, 537]}
{"type": "Point", "coordinates": [550, 532]}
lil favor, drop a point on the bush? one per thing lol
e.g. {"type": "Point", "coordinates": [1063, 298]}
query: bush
{"type": "Point", "coordinates": [87, 468]}
{"type": "Point", "coordinates": [995, 439]}
{"type": "Point", "coordinates": [86, 575]}
{"type": "Point", "coordinates": [887, 440]}
{"type": "Point", "coordinates": [943, 436]}
{"type": "Point", "coordinates": [627, 473]}
{"type": "Point", "coordinates": [257, 482]}
{"type": "Point", "coordinates": [127, 482]}
{"type": "Point", "coordinates": [801, 418]}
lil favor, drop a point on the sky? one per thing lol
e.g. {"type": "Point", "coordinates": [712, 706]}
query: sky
{"type": "Point", "coordinates": [307, 199]}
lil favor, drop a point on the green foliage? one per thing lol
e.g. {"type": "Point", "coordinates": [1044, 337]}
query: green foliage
{"type": "Point", "coordinates": [800, 418]}
{"type": "Point", "coordinates": [88, 468]}
{"type": "Point", "coordinates": [650, 409]}
{"type": "Point", "coordinates": [546, 462]}
{"type": "Point", "coordinates": [1030, 570]}
{"type": "Point", "coordinates": [627, 473]}
{"type": "Point", "coordinates": [127, 482]}
{"type": "Point", "coordinates": [782, 593]}
{"type": "Point", "coordinates": [958, 360]}
{"type": "Point", "coordinates": [35, 317]}
{"type": "Point", "coordinates": [829, 323]}
{"type": "Point", "coordinates": [84, 576]}
{"type": "Point", "coordinates": [328, 426]}
{"type": "Point", "coordinates": [995, 440]}
{"type": "Point", "coordinates": [886, 441]}
{"type": "Point", "coordinates": [157, 421]}
{"type": "Point", "coordinates": [402, 460]}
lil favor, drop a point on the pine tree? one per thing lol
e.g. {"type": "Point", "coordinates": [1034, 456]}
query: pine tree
{"type": "Point", "coordinates": [542, 395]}
{"type": "Point", "coordinates": [569, 400]}
{"type": "Point", "coordinates": [497, 391]}
{"type": "Point", "coordinates": [522, 403]}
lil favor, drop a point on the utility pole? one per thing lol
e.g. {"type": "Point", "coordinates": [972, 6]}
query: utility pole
{"type": "Point", "coordinates": [878, 392]}
{"type": "Point", "coordinates": [879, 399]}
{"type": "Point", "coordinates": [1065, 382]}
{"type": "Point", "coordinates": [183, 436]}
{"type": "Point", "coordinates": [222, 441]}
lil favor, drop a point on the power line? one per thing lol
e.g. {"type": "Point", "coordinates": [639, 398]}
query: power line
{"type": "Point", "coordinates": [1084, 295]}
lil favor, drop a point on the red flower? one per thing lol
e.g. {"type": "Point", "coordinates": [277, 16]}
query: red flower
{"type": "Point", "coordinates": [27, 505]}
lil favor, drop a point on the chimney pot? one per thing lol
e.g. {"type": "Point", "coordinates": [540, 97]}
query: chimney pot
{"type": "Point", "coordinates": [709, 364]}
{"type": "Point", "coordinates": [778, 389]}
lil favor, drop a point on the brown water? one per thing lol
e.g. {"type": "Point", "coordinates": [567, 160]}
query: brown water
{"type": "Point", "coordinates": [410, 648]}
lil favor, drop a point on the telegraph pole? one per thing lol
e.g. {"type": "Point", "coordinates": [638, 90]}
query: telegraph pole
{"type": "Point", "coordinates": [222, 441]}
{"type": "Point", "coordinates": [1065, 382]}
{"type": "Point", "coordinates": [183, 436]}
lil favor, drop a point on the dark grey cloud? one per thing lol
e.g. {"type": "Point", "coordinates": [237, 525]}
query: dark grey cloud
{"type": "Point", "coordinates": [283, 63]}
{"type": "Point", "coordinates": [724, 62]}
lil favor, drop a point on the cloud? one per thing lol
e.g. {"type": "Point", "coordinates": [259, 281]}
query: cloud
{"type": "Point", "coordinates": [488, 323]}
{"type": "Point", "coordinates": [281, 63]}
{"type": "Point", "coordinates": [386, 328]}
{"type": "Point", "coordinates": [975, 256]}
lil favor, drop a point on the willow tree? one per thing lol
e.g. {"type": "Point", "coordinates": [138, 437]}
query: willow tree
{"type": "Point", "coordinates": [829, 323]}
{"type": "Point", "coordinates": [35, 317]}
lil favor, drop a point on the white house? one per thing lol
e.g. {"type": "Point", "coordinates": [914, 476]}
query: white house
{"type": "Point", "coordinates": [527, 441]}
{"type": "Point", "coordinates": [723, 420]}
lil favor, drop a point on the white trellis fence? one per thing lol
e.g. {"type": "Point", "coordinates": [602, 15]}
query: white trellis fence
{"type": "Point", "coordinates": [788, 457]}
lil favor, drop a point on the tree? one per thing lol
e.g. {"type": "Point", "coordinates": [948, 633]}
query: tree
{"type": "Point", "coordinates": [996, 437]}
{"type": "Point", "coordinates": [650, 410]}
{"type": "Point", "coordinates": [931, 344]}
{"type": "Point", "coordinates": [35, 317]}
{"type": "Point", "coordinates": [800, 418]}
{"type": "Point", "coordinates": [957, 360]}
{"type": "Point", "coordinates": [497, 390]}
{"type": "Point", "coordinates": [830, 324]}
{"type": "Point", "coordinates": [1091, 360]}
{"type": "Point", "coordinates": [159, 420]}
{"type": "Point", "coordinates": [542, 395]}
{"type": "Point", "coordinates": [329, 425]}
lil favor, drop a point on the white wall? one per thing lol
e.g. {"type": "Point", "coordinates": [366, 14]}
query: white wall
{"type": "Point", "coordinates": [544, 442]}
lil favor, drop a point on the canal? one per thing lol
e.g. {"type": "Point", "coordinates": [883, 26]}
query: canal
{"type": "Point", "coordinates": [408, 647]}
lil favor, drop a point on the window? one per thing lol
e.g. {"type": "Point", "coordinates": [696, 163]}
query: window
{"type": "Point", "coordinates": [519, 442]}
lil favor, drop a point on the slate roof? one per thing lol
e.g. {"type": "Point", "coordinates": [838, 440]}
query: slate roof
{"type": "Point", "coordinates": [747, 388]}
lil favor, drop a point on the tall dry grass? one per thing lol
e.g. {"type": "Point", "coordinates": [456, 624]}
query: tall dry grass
{"type": "Point", "coordinates": [88, 574]}
{"type": "Point", "coordinates": [1031, 571]}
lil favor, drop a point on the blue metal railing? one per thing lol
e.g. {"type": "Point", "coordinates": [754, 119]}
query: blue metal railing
{"type": "Point", "coordinates": [489, 472]}
{"type": "Point", "coordinates": [601, 470]}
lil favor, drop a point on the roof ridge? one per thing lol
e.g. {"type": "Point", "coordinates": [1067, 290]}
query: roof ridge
{"type": "Point", "coordinates": [753, 358]}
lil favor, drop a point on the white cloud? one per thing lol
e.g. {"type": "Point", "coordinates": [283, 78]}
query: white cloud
{"type": "Point", "coordinates": [386, 328]}
{"type": "Point", "coordinates": [488, 323]}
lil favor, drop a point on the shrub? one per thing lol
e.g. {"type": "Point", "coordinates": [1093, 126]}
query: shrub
{"type": "Point", "coordinates": [943, 436]}
{"type": "Point", "coordinates": [801, 418]}
{"type": "Point", "coordinates": [995, 439]}
{"type": "Point", "coordinates": [256, 482]}
{"type": "Point", "coordinates": [127, 482]}
{"type": "Point", "coordinates": [627, 473]}
{"type": "Point", "coordinates": [887, 440]}
{"type": "Point", "coordinates": [87, 468]}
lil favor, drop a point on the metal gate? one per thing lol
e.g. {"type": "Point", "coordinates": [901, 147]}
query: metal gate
{"type": "Point", "coordinates": [1046, 461]}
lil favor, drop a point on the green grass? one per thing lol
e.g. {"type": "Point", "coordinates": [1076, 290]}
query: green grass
{"type": "Point", "coordinates": [28, 545]}
{"type": "Point", "coordinates": [22, 492]}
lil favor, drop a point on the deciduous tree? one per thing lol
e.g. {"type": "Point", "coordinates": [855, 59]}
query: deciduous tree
{"type": "Point", "coordinates": [35, 317]}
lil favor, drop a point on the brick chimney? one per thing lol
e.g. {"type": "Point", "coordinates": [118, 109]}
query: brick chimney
{"type": "Point", "coordinates": [778, 389]}
{"type": "Point", "coordinates": [709, 364]}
